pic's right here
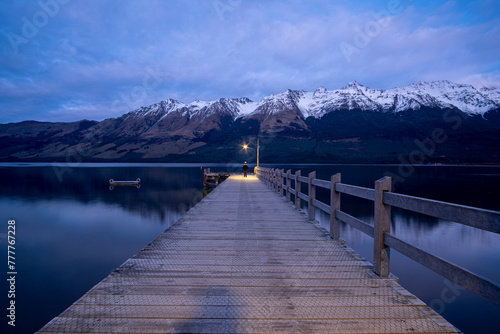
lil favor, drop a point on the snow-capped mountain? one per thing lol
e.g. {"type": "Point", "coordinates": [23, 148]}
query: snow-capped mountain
{"type": "Point", "coordinates": [435, 94]}
{"type": "Point", "coordinates": [351, 124]}
{"type": "Point", "coordinates": [440, 94]}
{"type": "Point", "coordinates": [292, 107]}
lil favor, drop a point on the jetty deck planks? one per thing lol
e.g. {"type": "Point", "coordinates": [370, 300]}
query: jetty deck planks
{"type": "Point", "coordinates": [245, 261]}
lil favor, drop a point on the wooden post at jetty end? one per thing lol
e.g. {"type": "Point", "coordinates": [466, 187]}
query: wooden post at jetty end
{"type": "Point", "coordinates": [382, 224]}
{"type": "Point", "coordinates": [312, 196]}
{"type": "Point", "coordinates": [334, 206]}
{"type": "Point", "coordinates": [288, 184]}
{"type": "Point", "coordinates": [297, 189]}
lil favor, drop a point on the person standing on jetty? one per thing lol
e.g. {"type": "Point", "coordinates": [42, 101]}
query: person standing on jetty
{"type": "Point", "coordinates": [245, 169]}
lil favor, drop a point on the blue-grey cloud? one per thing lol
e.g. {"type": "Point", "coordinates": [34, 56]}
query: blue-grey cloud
{"type": "Point", "coordinates": [64, 60]}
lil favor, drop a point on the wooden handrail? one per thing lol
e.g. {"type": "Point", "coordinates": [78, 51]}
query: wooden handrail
{"type": "Point", "coordinates": [321, 205]}
{"type": "Point", "coordinates": [303, 196]}
{"type": "Point", "coordinates": [303, 179]}
{"type": "Point", "coordinates": [322, 183]}
{"type": "Point", "coordinates": [356, 191]}
{"type": "Point", "coordinates": [479, 218]}
{"type": "Point", "coordinates": [476, 284]}
{"type": "Point", "coordinates": [384, 199]}
{"type": "Point", "coordinates": [355, 222]}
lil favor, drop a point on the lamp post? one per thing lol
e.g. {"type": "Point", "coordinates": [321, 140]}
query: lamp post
{"type": "Point", "coordinates": [258, 149]}
{"type": "Point", "coordinates": [245, 147]}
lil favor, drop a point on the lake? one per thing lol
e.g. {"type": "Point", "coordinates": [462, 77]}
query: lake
{"type": "Point", "coordinates": [72, 230]}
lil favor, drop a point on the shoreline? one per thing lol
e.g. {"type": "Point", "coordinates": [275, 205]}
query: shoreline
{"type": "Point", "coordinates": [230, 164]}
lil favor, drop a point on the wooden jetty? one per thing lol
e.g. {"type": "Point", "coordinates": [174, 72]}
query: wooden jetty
{"type": "Point", "coordinates": [385, 199]}
{"type": "Point", "coordinates": [213, 179]}
{"type": "Point", "coordinates": [244, 260]}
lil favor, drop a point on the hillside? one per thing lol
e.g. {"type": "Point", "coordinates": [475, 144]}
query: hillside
{"type": "Point", "coordinates": [429, 122]}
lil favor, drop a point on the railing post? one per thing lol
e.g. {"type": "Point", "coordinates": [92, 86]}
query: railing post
{"type": "Point", "coordinates": [276, 185]}
{"type": "Point", "coordinates": [273, 178]}
{"type": "Point", "coordinates": [288, 184]}
{"type": "Point", "coordinates": [312, 195]}
{"type": "Point", "coordinates": [279, 188]}
{"type": "Point", "coordinates": [284, 183]}
{"type": "Point", "coordinates": [282, 171]}
{"type": "Point", "coordinates": [334, 205]}
{"type": "Point", "coordinates": [277, 179]}
{"type": "Point", "coordinates": [382, 224]}
{"type": "Point", "coordinates": [297, 189]}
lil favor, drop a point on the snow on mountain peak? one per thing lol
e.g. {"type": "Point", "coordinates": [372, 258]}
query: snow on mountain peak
{"type": "Point", "coordinates": [320, 91]}
{"type": "Point", "coordinates": [448, 94]}
{"type": "Point", "coordinates": [492, 94]}
{"type": "Point", "coordinates": [434, 94]}
{"type": "Point", "coordinates": [353, 85]}
{"type": "Point", "coordinates": [159, 109]}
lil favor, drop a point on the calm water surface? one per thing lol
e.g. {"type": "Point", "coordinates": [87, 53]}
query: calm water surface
{"type": "Point", "coordinates": [72, 231]}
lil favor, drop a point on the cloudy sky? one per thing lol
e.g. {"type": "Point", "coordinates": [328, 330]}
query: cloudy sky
{"type": "Point", "coordinates": [66, 60]}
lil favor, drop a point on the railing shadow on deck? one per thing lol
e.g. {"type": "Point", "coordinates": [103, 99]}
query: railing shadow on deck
{"type": "Point", "coordinates": [384, 199]}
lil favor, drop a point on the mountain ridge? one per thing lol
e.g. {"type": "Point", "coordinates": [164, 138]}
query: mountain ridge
{"type": "Point", "coordinates": [351, 124]}
{"type": "Point", "coordinates": [354, 95]}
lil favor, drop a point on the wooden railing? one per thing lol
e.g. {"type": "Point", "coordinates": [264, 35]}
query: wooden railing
{"type": "Point", "coordinates": [384, 199]}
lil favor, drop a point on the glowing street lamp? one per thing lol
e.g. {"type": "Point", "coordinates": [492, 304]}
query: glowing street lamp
{"type": "Point", "coordinates": [245, 147]}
